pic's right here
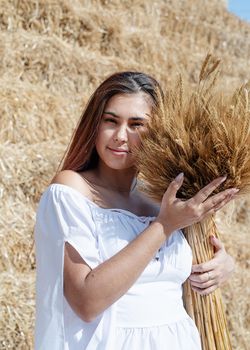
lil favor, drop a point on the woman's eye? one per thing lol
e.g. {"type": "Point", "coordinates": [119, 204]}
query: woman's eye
{"type": "Point", "coordinates": [110, 120]}
{"type": "Point", "coordinates": [137, 125]}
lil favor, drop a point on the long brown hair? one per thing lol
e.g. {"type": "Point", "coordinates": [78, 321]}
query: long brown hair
{"type": "Point", "coordinates": [81, 153]}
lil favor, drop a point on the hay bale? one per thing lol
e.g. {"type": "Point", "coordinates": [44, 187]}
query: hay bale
{"type": "Point", "coordinates": [27, 169]}
{"type": "Point", "coordinates": [30, 115]}
{"type": "Point", "coordinates": [17, 301]}
{"type": "Point", "coordinates": [236, 292]}
{"type": "Point", "coordinates": [16, 233]}
{"type": "Point", "coordinates": [53, 55]}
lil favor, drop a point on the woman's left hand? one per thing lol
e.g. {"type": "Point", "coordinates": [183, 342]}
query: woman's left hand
{"type": "Point", "coordinates": [208, 276]}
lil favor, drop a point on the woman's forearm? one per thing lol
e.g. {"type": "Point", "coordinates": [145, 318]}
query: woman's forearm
{"type": "Point", "coordinates": [90, 294]}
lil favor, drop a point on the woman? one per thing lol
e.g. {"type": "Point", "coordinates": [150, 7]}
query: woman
{"type": "Point", "coordinates": [110, 262]}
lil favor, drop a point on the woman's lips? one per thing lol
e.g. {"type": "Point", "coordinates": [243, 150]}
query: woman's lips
{"type": "Point", "coordinates": [118, 151]}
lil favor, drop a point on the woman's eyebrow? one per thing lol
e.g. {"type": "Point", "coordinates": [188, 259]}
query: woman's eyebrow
{"type": "Point", "coordinates": [112, 113]}
{"type": "Point", "coordinates": [117, 116]}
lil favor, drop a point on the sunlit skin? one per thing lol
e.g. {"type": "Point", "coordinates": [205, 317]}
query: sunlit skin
{"type": "Point", "coordinates": [124, 117]}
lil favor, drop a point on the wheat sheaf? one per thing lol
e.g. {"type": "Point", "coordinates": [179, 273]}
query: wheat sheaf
{"type": "Point", "coordinates": [205, 134]}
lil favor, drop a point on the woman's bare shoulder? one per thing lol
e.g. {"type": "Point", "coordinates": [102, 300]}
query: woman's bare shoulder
{"type": "Point", "coordinates": [73, 179]}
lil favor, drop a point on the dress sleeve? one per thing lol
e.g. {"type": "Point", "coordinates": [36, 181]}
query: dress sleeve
{"type": "Point", "coordinates": [66, 216]}
{"type": "Point", "coordinates": [63, 215]}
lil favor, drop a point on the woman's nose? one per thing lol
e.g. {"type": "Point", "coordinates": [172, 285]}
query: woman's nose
{"type": "Point", "coordinates": [121, 134]}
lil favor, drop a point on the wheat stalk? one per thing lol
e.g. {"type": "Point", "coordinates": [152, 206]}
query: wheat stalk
{"type": "Point", "coordinates": [203, 134]}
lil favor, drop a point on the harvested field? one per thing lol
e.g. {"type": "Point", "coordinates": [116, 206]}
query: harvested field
{"type": "Point", "coordinates": [53, 55]}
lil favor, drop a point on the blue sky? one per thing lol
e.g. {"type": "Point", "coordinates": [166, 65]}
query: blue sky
{"type": "Point", "coordinates": [241, 8]}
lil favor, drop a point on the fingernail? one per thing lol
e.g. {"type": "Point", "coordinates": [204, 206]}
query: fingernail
{"type": "Point", "coordinates": [223, 178]}
{"type": "Point", "coordinates": [179, 177]}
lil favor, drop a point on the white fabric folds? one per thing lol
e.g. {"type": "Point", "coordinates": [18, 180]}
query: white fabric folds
{"type": "Point", "coordinates": [150, 316]}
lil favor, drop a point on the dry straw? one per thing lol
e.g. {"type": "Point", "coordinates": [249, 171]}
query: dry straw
{"type": "Point", "coordinates": [205, 135]}
{"type": "Point", "coordinates": [53, 55]}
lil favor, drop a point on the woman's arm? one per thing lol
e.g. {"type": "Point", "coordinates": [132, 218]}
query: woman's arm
{"type": "Point", "coordinates": [90, 292]}
{"type": "Point", "coordinates": [206, 277]}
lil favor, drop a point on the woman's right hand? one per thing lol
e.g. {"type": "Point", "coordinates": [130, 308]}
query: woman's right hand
{"type": "Point", "coordinates": [176, 213]}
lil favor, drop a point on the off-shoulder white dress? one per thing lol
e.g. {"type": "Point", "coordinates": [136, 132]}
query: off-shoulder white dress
{"type": "Point", "coordinates": [150, 316]}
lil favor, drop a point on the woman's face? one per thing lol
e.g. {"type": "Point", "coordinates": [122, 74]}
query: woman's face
{"type": "Point", "coordinates": [124, 117]}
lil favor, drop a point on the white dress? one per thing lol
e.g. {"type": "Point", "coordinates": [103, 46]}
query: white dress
{"type": "Point", "coordinates": [150, 316]}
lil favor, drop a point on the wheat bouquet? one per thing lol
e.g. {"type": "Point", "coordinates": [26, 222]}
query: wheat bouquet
{"type": "Point", "coordinates": [203, 134]}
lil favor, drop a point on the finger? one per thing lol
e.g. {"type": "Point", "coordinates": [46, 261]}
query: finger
{"type": "Point", "coordinates": [218, 245]}
{"type": "Point", "coordinates": [205, 291]}
{"type": "Point", "coordinates": [218, 199]}
{"type": "Point", "coordinates": [217, 207]}
{"type": "Point", "coordinates": [203, 285]}
{"type": "Point", "coordinates": [204, 267]}
{"type": "Point", "coordinates": [174, 187]}
{"type": "Point", "coordinates": [202, 195]}
{"type": "Point", "coordinates": [201, 277]}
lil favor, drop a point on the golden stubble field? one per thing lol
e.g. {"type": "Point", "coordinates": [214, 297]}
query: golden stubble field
{"type": "Point", "coordinates": [53, 55]}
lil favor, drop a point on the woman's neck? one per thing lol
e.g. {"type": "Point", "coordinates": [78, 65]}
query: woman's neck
{"type": "Point", "coordinates": [122, 181]}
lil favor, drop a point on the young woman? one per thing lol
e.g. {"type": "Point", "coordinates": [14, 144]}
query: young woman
{"type": "Point", "coordinates": [110, 262]}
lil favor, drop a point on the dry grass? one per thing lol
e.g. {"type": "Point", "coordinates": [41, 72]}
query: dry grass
{"type": "Point", "coordinates": [194, 131]}
{"type": "Point", "coordinates": [53, 55]}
